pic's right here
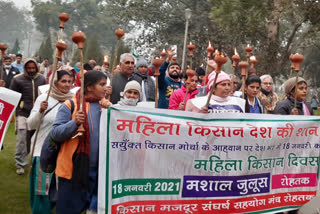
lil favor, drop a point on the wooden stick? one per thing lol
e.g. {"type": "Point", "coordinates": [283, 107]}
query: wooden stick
{"type": "Point", "coordinates": [119, 33]}
{"type": "Point", "coordinates": [295, 90]}
{"type": "Point", "coordinates": [157, 63]}
{"type": "Point", "coordinates": [3, 48]}
{"type": "Point", "coordinates": [220, 60]}
{"type": "Point", "coordinates": [243, 66]}
{"type": "Point", "coordinates": [208, 69]}
{"type": "Point", "coordinates": [79, 38]}
{"type": "Point", "coordinates": [296, 59]}
{"type": "Point", "coordinates": [190, 73]}
{"type": "Point", "coordinates": [60, 47]}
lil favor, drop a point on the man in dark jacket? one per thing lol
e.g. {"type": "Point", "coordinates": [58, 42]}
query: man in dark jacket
{"type": "Point", "coordinates": [8, 72]}
{"type": "Point", "coordinates": [142, 77]}
{"type": "Point", "coordinates": [120, 79]}
{"type": "Point", "coordinates": [27, 84]}
{"type": "Point", "coordinates": [168, 84]}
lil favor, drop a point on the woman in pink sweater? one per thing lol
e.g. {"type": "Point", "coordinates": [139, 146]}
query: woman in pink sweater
{"type": "Point", "coordinates": [176, 101]}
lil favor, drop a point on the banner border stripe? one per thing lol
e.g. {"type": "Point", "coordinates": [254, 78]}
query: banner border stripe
{"type": "Point", "coordinates": [273, 209]}
{"type": "Point", "coordinates": [107, 164]}
{"type": "Point", "coordinates": [208, 120]}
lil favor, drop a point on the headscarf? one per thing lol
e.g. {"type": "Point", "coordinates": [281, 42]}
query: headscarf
{"type": "Point", "coordinates": [56, 93]}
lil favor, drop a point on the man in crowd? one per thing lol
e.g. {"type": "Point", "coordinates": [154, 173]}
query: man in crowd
{"type": "Point", "coordinates": [105, 69]}
{"type": "Point", "coordinates": [168, 84]}
{"type": "Point", "coordinates": [26, 84]}
{"type": "Point", "coordinates": [141, 75]}
{"type": "Point", "coordinates": [8, 72]}
{"type": "Point", "coordinates": [44, 67]}
{"type": "Point", "coordinates": [92, 63]}
{"type": "Point", "coordinates": [18, 63]}
{"type": "Point", "coordinates": [125, 75]}
{"type": "Point", "coordinates": [266, 94]}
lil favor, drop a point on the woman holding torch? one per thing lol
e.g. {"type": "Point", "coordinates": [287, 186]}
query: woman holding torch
{"type": "Point", "coordinates": [77, 161]}
{"type": "Point", "coordinates": [60, 92]}
{"type": "Point", "coordinates": [220, 101]}
{"type": "Point", "coordinates": [286, 106]}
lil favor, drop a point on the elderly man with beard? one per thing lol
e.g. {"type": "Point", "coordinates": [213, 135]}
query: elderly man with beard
{"type": "Point", "coordinates": [120, 79]}
{"type": "Point", "coordinates": [168, 84]}
{"type": "Point", "coordinates": [27, 84]}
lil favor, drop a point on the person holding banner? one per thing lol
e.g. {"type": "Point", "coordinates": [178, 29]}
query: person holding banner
{"type": "Point", "coordinates": [77, 161]}
{"type": "Point", "coordinates": [27, 84]}
{"type": "Point", "coordinates": [220, 101]}
{"type": "Point", "coordinates": [60, 92]}
{"type": "Point", "coordinates": [252, 88]}
{"type": "Point", "coordinates": [286, 106]}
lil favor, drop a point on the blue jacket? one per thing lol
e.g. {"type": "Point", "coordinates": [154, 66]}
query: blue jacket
{"type": "Point", "coordinates": [166, 86]}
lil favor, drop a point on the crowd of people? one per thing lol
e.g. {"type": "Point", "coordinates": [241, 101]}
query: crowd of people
{"type": "Point", "coordinates": [73, 186]}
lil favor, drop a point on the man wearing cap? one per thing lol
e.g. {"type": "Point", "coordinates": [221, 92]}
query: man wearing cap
{"type": "Point", "coordinates": [142, 77]}
{"type": "Point", "coordinates": [8, 72]}
{"type": "Point", "coordinates": [27, 84]}
{"type": "Point", "coordinates": [168, 84]}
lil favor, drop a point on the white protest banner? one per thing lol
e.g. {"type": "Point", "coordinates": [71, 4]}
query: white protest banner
{"type": "Point", "coordinates": [8, 102]}
{"type": "Point", "coordinates": [162, 161]}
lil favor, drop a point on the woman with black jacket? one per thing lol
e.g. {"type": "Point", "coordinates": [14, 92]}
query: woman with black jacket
{"type": "Point", "coordinates": [286, 106]}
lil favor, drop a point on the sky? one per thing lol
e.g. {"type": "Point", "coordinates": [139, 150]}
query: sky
{"type": "Point", "coordinates": [22, 3]}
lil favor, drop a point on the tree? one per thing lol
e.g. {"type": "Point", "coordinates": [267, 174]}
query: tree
{"type": "Point", "coordinates": [14, 23]}
{"type": "Point", "coordinates": [45, 50]}
{"type": "Point", "coordinates": [93, 50]}
{"type": "Point", "coordinates": [89, 16]}
{"type": "Point", "coordinates": [275, 28]}
{"type": "Point", "coordinates": [16, 47]}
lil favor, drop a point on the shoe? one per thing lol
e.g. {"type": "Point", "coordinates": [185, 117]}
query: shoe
{"type": "Point", "coordinates": [20, 171]}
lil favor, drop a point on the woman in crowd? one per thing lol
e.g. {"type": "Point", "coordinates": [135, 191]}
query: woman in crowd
{"type": "Point", "coordinates": [287, 106]}
{"type": "Point", "coordinates": [77, 161]}
{"type": "Point", "coordinates": [253, 103]}
{"type": "Point", "coordinates": [39, 181]}
{"type": "Point", "coordinates": [176, 100]}
{"type": "Point", "coordinates": [220, 101]}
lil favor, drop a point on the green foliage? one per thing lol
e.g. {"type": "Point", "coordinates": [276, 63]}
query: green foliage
{"type": "Point", "coordinates": [45, 50]}
{"type": "Point", "coordinates": [16, 47]}
{"type": "Point", "coordinates": [122, 49]}
{"type": "Point", "coordinates": [89, 16]}
{"type": "Point", "coordinates": [162, 23]}
{"type": "Point", "coordinates": [93, 50]}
